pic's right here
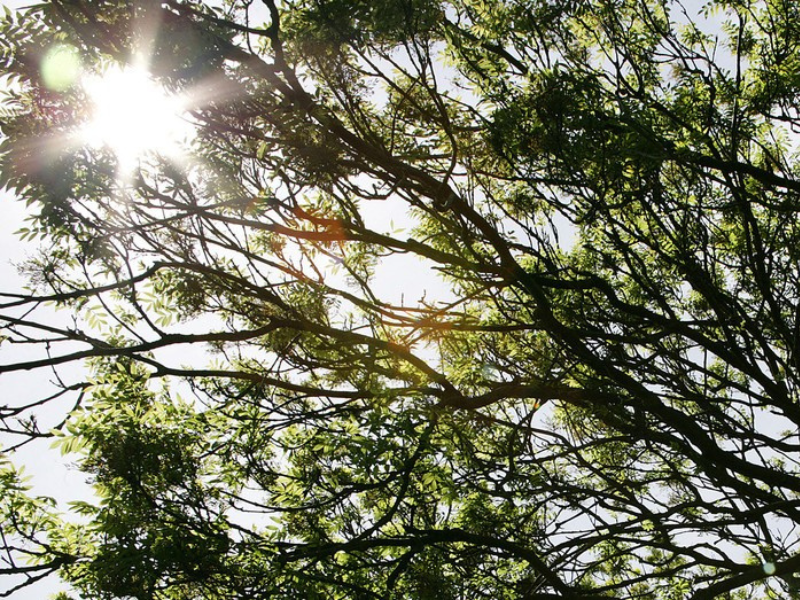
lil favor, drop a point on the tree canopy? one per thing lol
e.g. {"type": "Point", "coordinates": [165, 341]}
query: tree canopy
{"type": "Point", "coordinates": [598, 399]}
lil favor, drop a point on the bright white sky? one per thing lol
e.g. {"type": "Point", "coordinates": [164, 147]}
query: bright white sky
{"type": "Point", "coordinates": [52, 477]}
{"type": "Point", "coordinates": [49, 475]}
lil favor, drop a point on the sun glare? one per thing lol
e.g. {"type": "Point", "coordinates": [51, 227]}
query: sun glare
{"type": "Point", "coordinates": [133, 116]}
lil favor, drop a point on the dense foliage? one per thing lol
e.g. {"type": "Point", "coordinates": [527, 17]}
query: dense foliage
{"type": "Point", "coordinates": [598, 399]}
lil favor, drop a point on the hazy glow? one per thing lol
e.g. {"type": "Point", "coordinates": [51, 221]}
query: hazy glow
{"type": "Point", "coordinates": [133, 115]}
{"type": "Point", "coordinates": [60, 67]}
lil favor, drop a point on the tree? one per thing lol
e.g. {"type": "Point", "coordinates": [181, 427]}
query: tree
{"type": "Point", "coordinates": [601, 401]}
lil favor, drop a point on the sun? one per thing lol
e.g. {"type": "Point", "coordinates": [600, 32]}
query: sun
{"type": "Point", "coordinates": [133, 116]}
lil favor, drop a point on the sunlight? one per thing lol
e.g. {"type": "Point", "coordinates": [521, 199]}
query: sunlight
{"type": "Point", "coordinates": [134, 116]}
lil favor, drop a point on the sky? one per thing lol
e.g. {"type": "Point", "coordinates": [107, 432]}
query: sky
{"type": "Point", "coordinates": [49, 474]}
{"type": "Point", "coordinates": [52, 475]}
{"type": "Point", "coordinates": [56, 478]}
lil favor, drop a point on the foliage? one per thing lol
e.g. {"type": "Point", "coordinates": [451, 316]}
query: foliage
{"type": "Point", "coordinates": [599, 397]}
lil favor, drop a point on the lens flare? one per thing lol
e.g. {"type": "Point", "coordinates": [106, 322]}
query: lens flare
{"type": "Point", "coordinates": [60, 67]}
{"type": "Point", "coordinates": [134, 116]}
